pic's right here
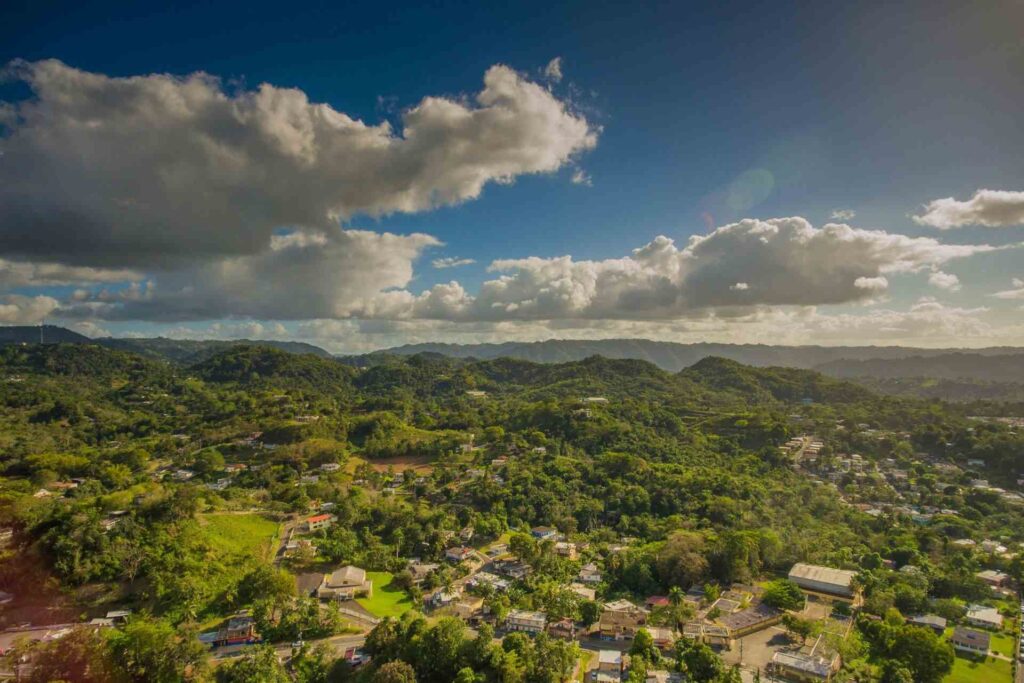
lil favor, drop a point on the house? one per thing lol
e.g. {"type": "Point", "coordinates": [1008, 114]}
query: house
{"type": "Point", "coordinates": [513, 570]}
{"type": "Point", "coordinates": [565, 549]}
{"type": "Point", "coordinates": [620, 620]}
{"type": "Point", "coordinates": [345, 584]}
{"type": "Point", "coordinates": [800, 667]}
{"type": "Point", "coordinates": [985, 617]}
{"type": "Point", "coordinates": [300, 547]}
{"type": "Point", "coordinates": [828, 582]}
{"type": "Point", "coordinates": [119, 616]}
{"type": "Point", "coordinates": [468, 608]}
{"type": "Point", "coordinates": [993, 578]}
{"type": "Point", "coordinates": [969, 640]}
{"type": "Point", "coordinates": [240, 628]}
{"type": "Point", "coordinates": [458, 554]}
{"type": "Point", "coordinates": [663, 676]}
{"type": "Point", "coordinates": [543, 533]}
{"type": "Point", "coordinates": [564, 629]}
{"type": "Point", "coordinates": [309, 479]}
{"type": "Point", "coordinates": [750, 620]}
{"type": "Point", "coordinates": [318, 522]}
{"type": "Point", "coordinates": [421, 570]}
{"type": "Point", "coordinates": [442, 598]}
{"type": "Point", "coordinates": [990, 546]}
{"type": "Point", "coordinates": [497, 583]}
{"type": "Point", "coordinates": [712, 634]}
{"type": "Point", "coordinates": [308, 583]}
{"type": "Point", "coordinates": [664, 638]}
{"type": "Point", "coordinates": [330, 467]}
{"type": "Point", "coordinates": [526, 621]}
{"type": "Point", "coordinates": [595, 400]}
{"type": "Point", "coordinates": [610, 662]}
{"type": "Point", "coordinates": [655, 601]}
{"type": "Point", "coordinates": [590, 574]}
{"type": "Point", "coordinates": [582, 591]}
{"type": "Point", "coordinates": [932, 621]}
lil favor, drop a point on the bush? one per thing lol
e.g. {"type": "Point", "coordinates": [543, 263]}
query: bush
{"type": "Point", "coordinates": [783, 594]}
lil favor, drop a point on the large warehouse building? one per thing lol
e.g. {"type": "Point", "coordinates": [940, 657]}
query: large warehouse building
{"type": "Point", "coordinates": [825, 581]}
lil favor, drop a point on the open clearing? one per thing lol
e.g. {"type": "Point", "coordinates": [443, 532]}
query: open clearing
{"type": "Point", "coordinates": [245, 534]}
{"type": "Point", "coordinates": [976, 670]}
{"type": "Point", "coordinates": [421, 464]}
{"type": "Point", "coordinates": [387, 600]}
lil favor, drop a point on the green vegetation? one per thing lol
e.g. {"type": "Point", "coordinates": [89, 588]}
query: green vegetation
{"type": "Point", "coordinates": [131, 482]}
{"type": "Point", "coordinates": [977, 669]}
{"type": "Point", "coordinates": [246, 535]}
{"type": "Point", "coordinates": [388, 599]}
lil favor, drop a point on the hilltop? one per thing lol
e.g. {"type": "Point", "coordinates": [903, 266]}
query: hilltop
{"type": "Point", "coordinates": [674, 357]}
{"type": "Point", "coordinates": [178, 351]}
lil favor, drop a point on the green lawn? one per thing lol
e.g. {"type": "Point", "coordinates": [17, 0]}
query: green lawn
{"type": "Point", "coordinates": [387, 600]}
{"type": "Point", "coordinates": [248, 534]}
{"type": "Point", "coordinates": [974, 670]}
{"type": "Point", "coordinates": [1004, 644]}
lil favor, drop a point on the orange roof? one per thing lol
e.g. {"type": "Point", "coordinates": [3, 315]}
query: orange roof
{"type": "Point", "coordinates": [318, 518]}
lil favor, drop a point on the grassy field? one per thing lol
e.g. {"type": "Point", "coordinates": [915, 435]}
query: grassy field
{"type": "Point", "coordinates": [1004, 644]}
{"type": "Point", "coordinates": [976, 670]}
{"type": "Point", "coordinates": [387, 600]}
{"type": "Point", "coordinates": [246, 534]}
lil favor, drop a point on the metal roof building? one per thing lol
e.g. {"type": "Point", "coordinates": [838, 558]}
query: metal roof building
{"type": "Point", "coordinates": [818, 579]}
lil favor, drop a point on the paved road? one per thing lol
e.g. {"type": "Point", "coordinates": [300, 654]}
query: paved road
{"type": "Point", "coordinates": [284, 650]}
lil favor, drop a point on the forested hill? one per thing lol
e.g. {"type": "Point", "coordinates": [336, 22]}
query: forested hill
{"type": "Point", "coordinates": [31, 334]}
{"type": "Point", "coordinates": [674, 357]}
{"type": "Point", "coordinates": [261, 364]}
{"type": "Point", "coordinates": [191, 351]}
{"type": "Point", "coordinates": [782, 384]}
{"type": "Point", "coordinates": [987, 368]}
{"type": "Point", "coordinates": [177, 351]}
{"type": "Point", "coordinates": [711, 381]}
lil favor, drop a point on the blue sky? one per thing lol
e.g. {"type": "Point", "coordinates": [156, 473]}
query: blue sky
{"type": "Point", "coordinates": [701, 115]}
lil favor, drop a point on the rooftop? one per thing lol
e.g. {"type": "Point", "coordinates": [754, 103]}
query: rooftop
{"type": "Point", "coordinates": [814, 665]}
{"type": "Point", "coordinates": [819, 574]}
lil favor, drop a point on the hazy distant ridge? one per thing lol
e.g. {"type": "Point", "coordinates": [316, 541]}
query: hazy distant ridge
{"type": "Point", "coordinates": [673, 357]}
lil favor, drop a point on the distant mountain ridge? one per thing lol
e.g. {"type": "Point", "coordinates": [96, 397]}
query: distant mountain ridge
{"type": "Point", "coordinates": [32, 334]}
{"type": "Point", "coordinates": [178, 351]}
{"type": "Point", "coordinates": [673, 357]}
{"type": "Point", "coordinates": [958, 365]}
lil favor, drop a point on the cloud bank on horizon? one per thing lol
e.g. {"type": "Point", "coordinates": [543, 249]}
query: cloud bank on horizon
{"type": "Point", "coordinates": [173, 199]}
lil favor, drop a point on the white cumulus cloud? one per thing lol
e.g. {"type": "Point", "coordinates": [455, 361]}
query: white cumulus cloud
{"type": "Point", "coordinates": [947, 281]}
{"type": "Point", "coordinates": [990, 208]}
{"type": "Point", "coordinates": [553, 71]}
{"type": "Point", "coordinates": [1017, 292]}
{"type": "Point", "coordinates": [782, 262]}
{"type": "Point", "coordinates": [451, 262]}
{"type": "Point", "coordinates": [160, 170]}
